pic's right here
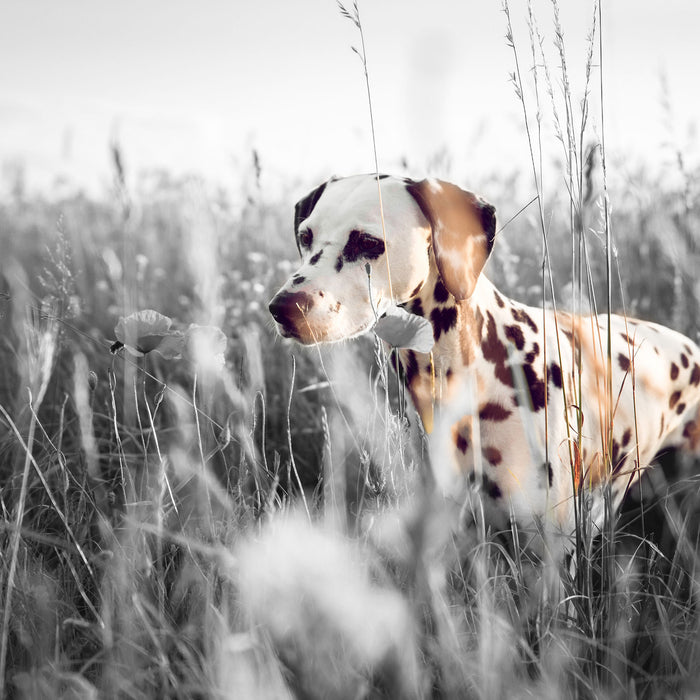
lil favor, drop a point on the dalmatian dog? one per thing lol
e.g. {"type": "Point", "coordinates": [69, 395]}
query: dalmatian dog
{"type": "Point", "coordinates": [548, 419]}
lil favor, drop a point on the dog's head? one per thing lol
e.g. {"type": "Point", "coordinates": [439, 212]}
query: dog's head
{"type": "Point", "coordinates": [339, 231]}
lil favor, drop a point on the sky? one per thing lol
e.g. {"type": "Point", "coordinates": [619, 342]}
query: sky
{"type": "Point", "coordinates": [194, 87]}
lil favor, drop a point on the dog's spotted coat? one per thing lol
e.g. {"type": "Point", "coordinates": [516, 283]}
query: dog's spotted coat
{"type": "Point", "coordinates": [518, 363]}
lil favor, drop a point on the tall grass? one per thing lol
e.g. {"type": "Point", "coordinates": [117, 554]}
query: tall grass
{"type": "Point", "coordinates": [262, 530]}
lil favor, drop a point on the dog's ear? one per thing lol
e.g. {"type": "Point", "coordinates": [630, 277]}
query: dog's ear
{"type": "Point", "coordinates": [463, 227]}
{"type": "Point", "coordinates": [304, 207]}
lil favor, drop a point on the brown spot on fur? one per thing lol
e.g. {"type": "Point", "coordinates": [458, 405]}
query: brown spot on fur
{"type": "Point", "coordinates": [462, 433]}
{"type": "Point", "coordinates": [493, 411]}
{"type": "Point", "coordinates": [417, 307]}
{"type": "Point", "coordinates": [680, 408]}
{"type": "Point", "coordinates": [515, 335]}
{"type": "Point", "coordinates": [555, 374]}
{"type": "Point", "coordinates": [624, 362]}
{"type": "Point", "coordinates": [663, 425]}
{"type": "Point", "coordinates": [462, 443]}
{"type": "Point", "coordinates": [361, 246]}
{"type": "Point", "coordinates": [499, 300]}
{"type": "Point", "coordinates": [674, 371]}
{"type": "Point", "coordinates": [626, 437]}
{"type": "Point", "coordinates": [532, 355]}
{"type": "Point", "coordinates": [536, 388]}
{"type": "Point", "coordinates": [494, 351]}
{"type": "Point", "coordinates": [522, 317]}
{"type": "Point", "coordinates": [443, 320]}
{"type": "Point", "coordinates": [684, 360]}
{"type": "Point", "coordinates": [695, 375]}
{"type": "Point", "coordinates": [493, 456]}
{"type": "Point", "coordinates": [627, 339]}
{"type": "Point", "coordinates": [675, 396]}
{"type": "Point", "coordinates": [547, 467]}
{"type": "Point", "coordinates": [440, 293]}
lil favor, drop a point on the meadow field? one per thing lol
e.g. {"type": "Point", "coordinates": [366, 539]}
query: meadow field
{"type": "Point", "coordinates": [192, 507]}
{"type": "Point", "coordinates": [177, 528]}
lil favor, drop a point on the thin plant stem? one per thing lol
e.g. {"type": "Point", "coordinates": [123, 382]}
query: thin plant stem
{"type": "Point", "coordinates": [354, 17]}
{"type": "Point", "coordinates": [292, 462]}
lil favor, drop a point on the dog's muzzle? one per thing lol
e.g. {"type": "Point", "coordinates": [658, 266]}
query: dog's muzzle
{"type": "Point", "coordinates": [289, 309]}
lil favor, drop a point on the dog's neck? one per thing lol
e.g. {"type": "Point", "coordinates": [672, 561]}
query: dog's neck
{"type": "Point", "coordinates": [466, 336]}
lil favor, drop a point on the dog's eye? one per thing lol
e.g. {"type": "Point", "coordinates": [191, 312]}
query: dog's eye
{"type": "Point", "coordinates": [370, 244]}
{"type": "Point", "coordinates": [362, 246]}
{"type": "Point", "coordinates": [306, 238]}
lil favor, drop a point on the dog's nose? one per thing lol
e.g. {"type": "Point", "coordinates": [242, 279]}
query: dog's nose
{"type": "Point", "coordinates": [289, 308]}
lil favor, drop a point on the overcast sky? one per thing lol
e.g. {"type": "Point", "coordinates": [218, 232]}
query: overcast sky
{"type": "Point", "coordinates": [195, 86]}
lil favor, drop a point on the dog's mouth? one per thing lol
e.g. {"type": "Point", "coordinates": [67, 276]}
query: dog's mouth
{"type": "Point", "coordinates": [396, 326]}
{"type": "Point", "coordinates": [286, 332]}
{"type": "Point", "coordinates": [315, 336]}
{"type": "Point", "coordinates": [308, 333]}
